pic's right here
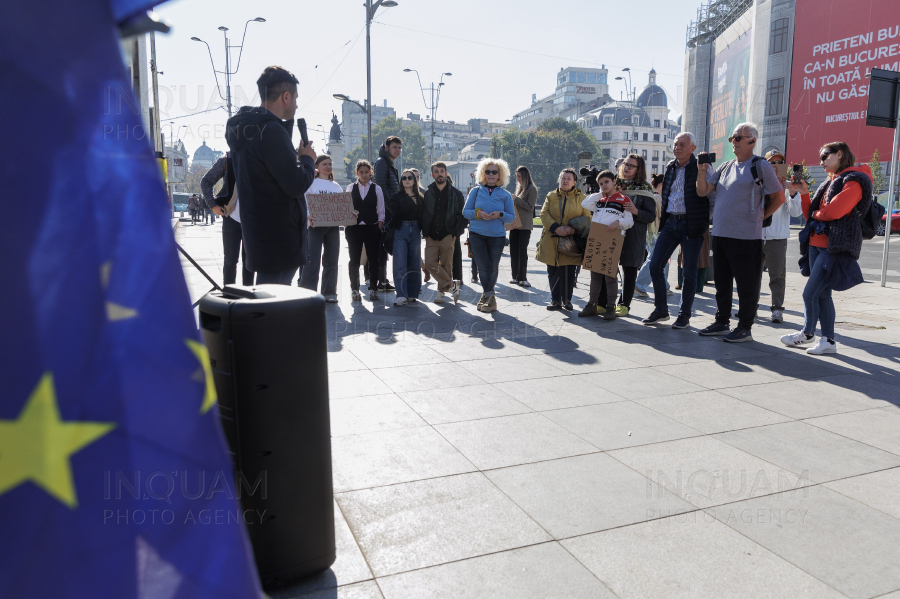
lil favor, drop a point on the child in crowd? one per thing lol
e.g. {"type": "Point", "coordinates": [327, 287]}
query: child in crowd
{"type": "Point", "coordinates": [608, 208]}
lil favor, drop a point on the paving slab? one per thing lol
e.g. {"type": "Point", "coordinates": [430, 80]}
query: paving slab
{"type": "Point", "coordinates": [879, 490]}
{"type": "Point", "coordinates": [499, 370]}
{"type": "Point", "coordinates": [711, 411]}
{"type": "Point", "coordinates": [470, 403]}
{"type": "Point", "coordinates": [817, 454]}
{"type": "Point", "coordinates": [584, 494]}
{"type": "Point", "coordinates": [849, 546]}
{"type": "Point", "coordinates": [691, 556]}
{"type": "Point", "coordinates": [428, 376]}
{"type": "Point", "coordinates": [513, 440]}
{"type": "Point", "coordinates": [557, 392]}
{"type": "Point", "coordinates": [537, 572]}
{"type": "Point", "coordinates": [872, 427]}
{"type": "Point", "coordinates": [647, 382]}
{"type": "Point", "coordinates": [425, 523]}
{"type": "Point", "coordinates": [391, 457]}
{"type": "Point", "coordinates": [356, 415]}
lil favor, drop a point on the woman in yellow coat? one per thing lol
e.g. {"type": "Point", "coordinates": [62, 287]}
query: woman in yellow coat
{"type": "Point", "coordinates": [561, 205]}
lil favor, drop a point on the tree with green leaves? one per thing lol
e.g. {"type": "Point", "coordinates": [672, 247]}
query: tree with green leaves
{"type": "Point", "coordinates": [414, 154]}
{"type": "Point", "coordinates": [879, 180]}
{"type": "Point", "coordinates": [553, 146]}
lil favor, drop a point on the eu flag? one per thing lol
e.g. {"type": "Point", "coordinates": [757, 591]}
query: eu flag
{"type": "Point", "coordinates": [114, 481]}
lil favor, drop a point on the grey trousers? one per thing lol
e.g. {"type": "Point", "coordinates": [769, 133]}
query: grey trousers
{"type": "Point", "coordinates": [775, 258]}
{"type": "Point", "coordinates": [319, 238]}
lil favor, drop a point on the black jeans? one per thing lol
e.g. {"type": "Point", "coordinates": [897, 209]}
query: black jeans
{"type": "Point", "coordinates": [562, 282]}
{"type": "Point", "coordinates": [457, 260]}
{"type": "Point", "coordinates": [357, 237]}
{"type": "Point", "coordinates": [518, 253]}
{"type": "Point", "coordinates": [737, 263]}
{"type": "Point", "coordinates": [629, 278]}
{"type": "Point", "coordinates": [231, 246]}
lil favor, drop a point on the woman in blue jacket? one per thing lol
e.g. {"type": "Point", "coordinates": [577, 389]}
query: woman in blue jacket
{"type": "Point", "coordinates": [487, 208]}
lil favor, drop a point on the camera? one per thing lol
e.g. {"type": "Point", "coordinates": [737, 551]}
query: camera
{"type": "Point", "coordinates": [797, 174]}
{"type": "Point", "coordinates": [590, 178]}
{"type": "Point", "coordinates": [706, 158]}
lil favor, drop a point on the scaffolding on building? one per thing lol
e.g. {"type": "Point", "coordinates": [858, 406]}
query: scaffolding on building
{"type": "Point", "coordinates": [713, 18]}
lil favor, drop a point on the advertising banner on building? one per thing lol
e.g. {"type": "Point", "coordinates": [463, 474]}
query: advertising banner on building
{"type": "Point", "coordinates": [729, 95]}
{"type": "Point", "coordinates": [836, 42]}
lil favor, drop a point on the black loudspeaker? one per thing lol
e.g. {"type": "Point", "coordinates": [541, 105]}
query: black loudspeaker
{"type": "Point", "coordinates": [267, 346]}
{"type": "Point", "coordinates": [884, 94]}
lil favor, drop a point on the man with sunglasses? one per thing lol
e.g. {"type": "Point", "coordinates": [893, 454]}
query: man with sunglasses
{"type": "Point", "coordinates": [775, 240]}
{"type": "Point", "coordinates": [739, 208]}
{"type": "Point", "coordinates": [271, 178]}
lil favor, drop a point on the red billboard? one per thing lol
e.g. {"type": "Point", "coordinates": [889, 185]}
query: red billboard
{"type": "Point", "coordinates": [836, 42]}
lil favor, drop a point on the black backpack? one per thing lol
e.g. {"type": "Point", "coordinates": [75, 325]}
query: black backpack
{"type": "Point", "coordinates": [767, 222]}
{"type": "Point", "coordinates": [870, 221]}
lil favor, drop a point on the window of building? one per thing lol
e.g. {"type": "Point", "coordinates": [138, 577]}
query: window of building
{"type": "Point", "coordinates": [778, 41]}
{"type": "Point", "coordinates": [664, 157]}
{"type": "Point", "coordinates": [656, 137]}
{"type": "Point", "coordinates": [579, 77]}
{"type": "Point", "coordinates": [607, 120]}
{"type": "Point", "coordinates": [644, 154]}
{"type": "Point", "coordinates": [656, 123]}
{"type": "Point", "coordinates": [591, 78]}
{"type": "Point", "coordinates": [601, 78]}
{"type": "Point", "coordinates": [655, 154]}
{"type": "Point", "coordinates": [625, 135]}
{"type": "Point", "coordinates": [606, 136]}
{"type": "Point", "coordinates": [774, 96]}
{"type": "Point", "coordinates": [624, 153]}
{"type": "Point", "coordinates": [645, 137]}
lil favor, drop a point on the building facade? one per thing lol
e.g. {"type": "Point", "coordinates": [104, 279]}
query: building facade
{"type": "Point", "coordinates": [575, 86]}
{"type": "Point", "coordinates": [354, 124]}
{"type": "Point", "coordinates": [177, 165]}
{"type": "Point", "coordinates": [205, 156]}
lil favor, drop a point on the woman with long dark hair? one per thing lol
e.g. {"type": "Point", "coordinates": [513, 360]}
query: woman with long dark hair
{"type": "Point", "coordinates": [831, 242]}
{"type": "Point", "coordinates": [321, 238]}
{"type": "Point", "coordinates": [525, 199]}
{"type": "Point", "coordinates": [632, 183]}
{"type": "Point", "coordinates": [406, 209]}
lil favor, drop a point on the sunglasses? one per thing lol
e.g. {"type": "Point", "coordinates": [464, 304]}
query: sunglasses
{"type": "Point", "coordinates": [736, 138]}
{"type": "Point", "coordinates": [824, 156]}
{"type": "Point", "coordinates": [776, 162]}
{"type": "Point", "coordinates": [626, 165]}
{"type": "Point", "coordinates": [494, 172]}
{"type": "Point", "coordinates": [407, 178]}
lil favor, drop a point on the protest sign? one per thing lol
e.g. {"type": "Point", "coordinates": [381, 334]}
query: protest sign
{"type": "Point", "coordinates": [603, 250]}
{"type": "Point", "coordinates": [331, 209]}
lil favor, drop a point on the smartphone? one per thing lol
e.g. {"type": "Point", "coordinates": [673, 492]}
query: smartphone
{"type": "Point", "coordinates": [301, 125]}
{"type": "Point", "coordinates": [797, 175]}
{"type": "Point", "coordinates": [780, 170]}
{"type": "Point", "coordinates": [706, 158]}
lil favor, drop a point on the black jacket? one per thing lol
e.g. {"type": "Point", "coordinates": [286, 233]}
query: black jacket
{"type": "Point", "coordinates": [455, 222]}
{"type": "Point", "coordinates": [636, 237]}
{"type": "Point", "coordinates": [845, 233]}
{"type": "Point", "coordinates": [222, 169]}
{"type": "Point", "coordinates": [386, 176]}
{"type": "Point", "coordinates": [696, 207]}
{"type": "Point", "coordinates": [271, 183]}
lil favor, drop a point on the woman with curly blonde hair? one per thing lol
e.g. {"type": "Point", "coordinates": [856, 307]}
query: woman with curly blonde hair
{"type": "Point", "coordinates": [487, 208]}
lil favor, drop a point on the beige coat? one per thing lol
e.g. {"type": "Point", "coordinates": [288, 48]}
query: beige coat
{"type": "Point", "coordinates": [550, 215]}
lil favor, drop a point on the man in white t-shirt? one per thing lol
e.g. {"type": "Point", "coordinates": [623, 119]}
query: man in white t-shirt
{"type": "Point", "coordinates": [740, 208]}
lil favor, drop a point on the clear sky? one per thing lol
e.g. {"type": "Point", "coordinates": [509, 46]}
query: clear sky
{"type": "Point", "coordinates": [499, 52]}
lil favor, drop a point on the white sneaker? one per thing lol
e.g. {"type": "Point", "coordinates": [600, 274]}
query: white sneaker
{"type": "Point", "coordinates": [513, 282]}
{"type": "Point", "coordinates": [356, 295]}
{"type": "Point", "coordinates": [524, 284]}
{"type": "Point", "coordinates": [439, 298]}
{"type": "Point", "coordinates": [777, 316]}
{"type": "Point", "coordinates": [797, 339]}
{"type": "Point", "coordinates": [457, 285]}
{"type": "Point", "coordinates": [400, 301]}
{"type": "Point", "coordinates": [823, 346]}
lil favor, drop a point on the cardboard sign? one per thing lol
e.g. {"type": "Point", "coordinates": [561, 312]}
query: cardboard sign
{"type": "Point", "coordinates": [331, 209]}
{"type": "Point", "coordinates": [603, 250]}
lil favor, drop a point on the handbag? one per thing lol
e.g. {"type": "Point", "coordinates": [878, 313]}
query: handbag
{"type": "Point", "coordinates": [517, 221]}
{"type": "Point", "coordinates": [568, 245]}
{"type": "Point", "coordinates": [387, 238]}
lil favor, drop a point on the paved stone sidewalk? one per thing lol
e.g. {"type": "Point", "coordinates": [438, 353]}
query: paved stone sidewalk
{"type": "Point", "coordinates": [528, 453]}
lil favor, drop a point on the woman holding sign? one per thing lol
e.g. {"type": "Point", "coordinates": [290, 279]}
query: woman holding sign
{"type": "Point", "coordinates": [322, 237]}
{"type": "Point", "coordinates": [405, 207]}
{"type": "Point", "coordinates": [633, 185]}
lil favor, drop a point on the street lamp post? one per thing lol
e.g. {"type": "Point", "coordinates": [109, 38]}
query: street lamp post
{"type": "Point", "coordinates": [370, 14]}
{"type": "Point", "coordinates": [434, 102]}
{"type": "Point", "coordinates": [630, 90]}
{"type": "Point", "coordinates": [228, 72]}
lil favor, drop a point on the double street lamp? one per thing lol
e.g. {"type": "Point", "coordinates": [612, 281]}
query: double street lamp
{"type": "Point", "coordinates": [434, 102]}
{"type": "Point", "coordinates": [228, 72]}
{"type": "Point", "coordinates": [371, 9]}
{"type": "Point", "coordinates": [629, 93]}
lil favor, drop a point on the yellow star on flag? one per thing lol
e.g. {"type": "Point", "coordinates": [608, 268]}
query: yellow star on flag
{"type": "Point", "coordinates": [202, 354]}
{"type": "Point", "coordinates": [114, 311]}
{"type": "Point", "coordinates": [37, 445]}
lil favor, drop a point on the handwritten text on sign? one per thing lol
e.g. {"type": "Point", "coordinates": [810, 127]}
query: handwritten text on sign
{"type": "Point", "coordinates": [331, 209]}
{"type": "Point", "coordinates": [603, 250]}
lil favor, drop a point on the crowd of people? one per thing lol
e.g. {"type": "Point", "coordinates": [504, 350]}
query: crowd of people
{"type": "Point", "coordinates": [739, 211]}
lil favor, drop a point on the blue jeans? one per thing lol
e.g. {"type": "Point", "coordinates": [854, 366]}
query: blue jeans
{"type": "Point", "coordinates": [487, 251]}
{"type": "Point", "coordinates": [673, 234]}
{"type": "Point", "coordinates": [316, 239]}
{"type": "Point", "coordinates": [817, 303]}
{"type": "Point", "coordinates": [644, 281]}
{"type": "Point", "coordinates": [275, 278]}
{"type": "Point", "coordinates": [408, 259]}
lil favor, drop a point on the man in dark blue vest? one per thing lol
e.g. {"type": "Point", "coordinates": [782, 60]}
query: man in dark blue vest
{"type": "Point", "coordinates": [683, 221]}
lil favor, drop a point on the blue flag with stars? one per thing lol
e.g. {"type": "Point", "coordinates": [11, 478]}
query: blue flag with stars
{"type": "Point", "coordinates": [114, 477]}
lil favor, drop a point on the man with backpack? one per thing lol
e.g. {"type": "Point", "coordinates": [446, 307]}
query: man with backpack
{"type": "Point", "coordinates": [745, 191]}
